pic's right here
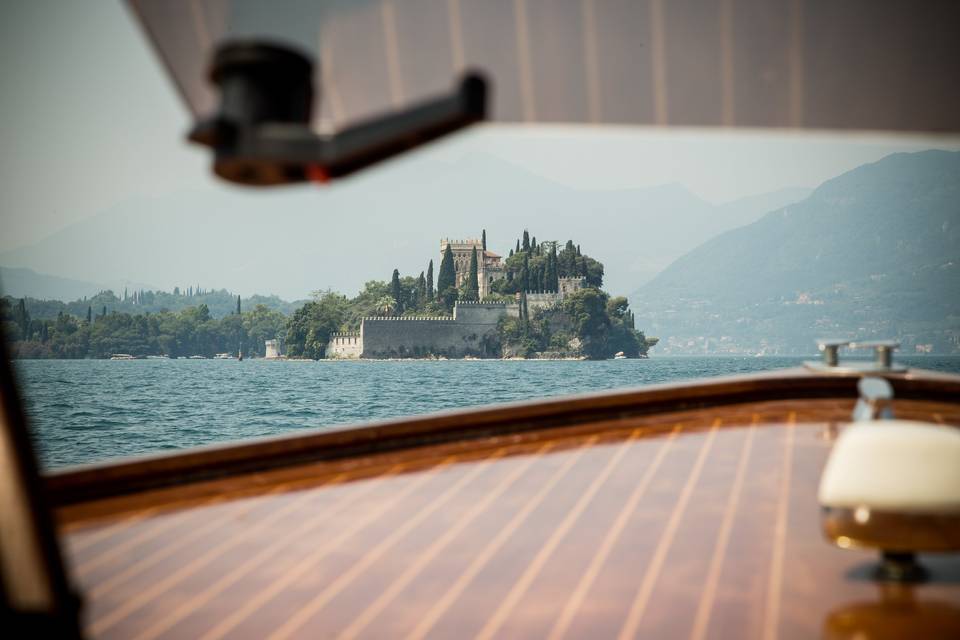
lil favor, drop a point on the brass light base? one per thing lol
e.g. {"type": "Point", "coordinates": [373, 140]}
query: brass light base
{"type": "Point", "coordinates": [898, 535]}
{"type": "Point", "coordinates": [892, 532]}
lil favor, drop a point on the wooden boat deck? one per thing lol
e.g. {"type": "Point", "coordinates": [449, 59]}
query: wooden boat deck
{"type": "Point", "coordinates": [695, 522]}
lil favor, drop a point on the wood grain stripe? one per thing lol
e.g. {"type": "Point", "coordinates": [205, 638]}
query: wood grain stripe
{"type": "Point", "coordinates": [702, 619]}
{"type": "Point", "coordinates": [613, 534]}
{"type": "Point", "coordinates": [774, 584]}
{"type": "Point", "coordinates": [639, 606]}
{"type": "Point", "coordinates": [521, 586]}
{"type": "Point", "coordinates": [658, 53]}
{"type": "Point", "coordinates": [456, 35]}
{"type": "Point", "coordinates": [308, 562]}
{"type": "Point", "coordinates": [319, 601]}
{"type": "Point", "coordinates": [149, 533]}
{"type": "Point", "coordinates": [198, 600]}
{"type": "Point", "coordinates": [391, 592]}
{"type": "Point", "coordinates": [81, 540]}
{"type": "Point", "coordinates": [392, 51]}
{"type": "Point", "coordinates": [178, 542]}
{"type": "Point", "coordinates": [524, 68]}
{"type": "Point", "coordinates": [430, 618]}
{"type": "Point", "coordinates": [130, 605]}
{"type": "Point", "coordinates": [590, 60]}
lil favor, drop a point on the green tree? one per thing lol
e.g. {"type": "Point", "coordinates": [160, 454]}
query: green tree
{"type": "Point", "coordinates": [484, 239]}
{"type": "Point", "coordinates": [526, 241]}
{"type": "Point", "coordinates": [23, 319]}
{"type": "Point", "coordinates": [238, 305]}
{"type": "Point", "coordinates": [309, 329]}
{"type": "Point", "coordinates": [551, 279]}
{"type": "Point", "coordinates": [421, 288]}
{"type": "Point", "coordinates": [429, 295]}
{"type": "Point", "coordinates": [396, 291]}
{"type": "Point", "coordinates": [587, 311]}
{"type": "Point", "coordinates": [89, 314]}
{"type": "Point", "coordinates": [447, 279]}
{"type": "Point", "coordinates": [387, 306]}
{"type": "Point", "coordinates": [472, 285]}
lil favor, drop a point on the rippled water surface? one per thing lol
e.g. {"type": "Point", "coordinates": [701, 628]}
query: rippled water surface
{"type": "Point", "coordinates": [89, 410]}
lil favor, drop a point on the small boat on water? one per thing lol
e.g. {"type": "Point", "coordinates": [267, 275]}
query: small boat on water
{"type": "Point", "coordinates": [619, 356]}
{"type": "Point", "coordinates": [197, 358]}
{"type": "Point", "coordinates": [122, 356]}
{"type": "Point", "coordinates": [223, 356]}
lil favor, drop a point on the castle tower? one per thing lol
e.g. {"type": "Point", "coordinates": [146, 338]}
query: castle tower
{"type": "Point", "coordinates": [489, 266]}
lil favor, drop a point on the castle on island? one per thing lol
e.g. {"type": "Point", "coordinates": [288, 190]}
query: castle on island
{"type": "Point", "coordinates": [470, 331]}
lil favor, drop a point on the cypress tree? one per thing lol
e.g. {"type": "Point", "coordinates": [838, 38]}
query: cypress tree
{"type": "Point", "coordinates": [447, 278]}
{"type": "Point", "coordinates": [238, 304]}
{"type": "Point", "coordinates": [533, 244]}
{"type": "Point", "coordinates": [430, 281]}
{"type": "Point", "coordinates": [396, 291]}
{"type": "Point", "coordinates": [421, 288]}
{"type": "Point", "coordinates": [104, 314]}
{"type": "Point", "coordinates": [525, 273]}
{"type": "Point", "coordinates": [473, 280]}
{"type": "Point", "coordinates": [526, 241]}
{"type": "Point", "coordinates": [517, 250]}
{"type": "Point", "coordinates": [484, 240]}
{"type": "Point", "coordinates": [23, 318]}
{"type": "Point", "coordinates": [511, 253]}
{"type": "Point", "coordinates": [550, 277]}
{"type": "Point", "coordinates": [89, 314]}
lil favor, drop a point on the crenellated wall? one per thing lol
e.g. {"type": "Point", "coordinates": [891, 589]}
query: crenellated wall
{"type": "Point", "coordinates": [471, 331]}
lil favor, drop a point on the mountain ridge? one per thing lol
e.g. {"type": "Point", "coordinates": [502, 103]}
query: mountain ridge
{"type": "Point", "coordinates": [873, 251]}
{"type": "Point", "coordinates": [302, 239]}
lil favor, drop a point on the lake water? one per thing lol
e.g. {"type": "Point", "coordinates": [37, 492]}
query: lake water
{"type": "Point", "coordinates": [90, 410]}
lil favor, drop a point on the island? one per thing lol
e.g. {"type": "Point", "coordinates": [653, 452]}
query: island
{"type": "Point", "coordinates": [543, 301]}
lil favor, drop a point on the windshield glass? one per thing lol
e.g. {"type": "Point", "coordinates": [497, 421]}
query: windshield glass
{"type": "Point", "coordinates": [152, 307]}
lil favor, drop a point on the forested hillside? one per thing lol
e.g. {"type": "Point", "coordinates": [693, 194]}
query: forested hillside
{"type": "Point", "coordinates": [873, 252]}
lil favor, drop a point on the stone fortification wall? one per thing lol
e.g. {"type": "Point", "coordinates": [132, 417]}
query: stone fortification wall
{"type": "Point", "coordinates": [543, 299]}
{"type": "Point", "coordinates": [470, 332]}
{"type": "Point", "coordinates": [345, 345]}
{"type": "Point", "coordinates": [419, 337]}
{"type": "Point", "coordinates": [479, 312]}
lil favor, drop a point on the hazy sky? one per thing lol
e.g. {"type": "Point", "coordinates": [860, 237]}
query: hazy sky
{"type": "Point", "coordinates": [91, 122]}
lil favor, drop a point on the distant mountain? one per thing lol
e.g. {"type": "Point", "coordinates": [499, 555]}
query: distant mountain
{"type": "Point", "coordinates": [875, 252]}
{"type": "Point", "coordinates": [20, 283]}
{"type": "Point", "coordinates": [293, 241]}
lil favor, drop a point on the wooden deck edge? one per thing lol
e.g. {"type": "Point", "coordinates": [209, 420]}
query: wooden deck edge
{"type": "Point", "coordinates": [115, 478]}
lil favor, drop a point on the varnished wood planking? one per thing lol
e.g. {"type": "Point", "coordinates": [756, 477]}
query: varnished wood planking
{"type": "Point", "coordinates": [566, 501]}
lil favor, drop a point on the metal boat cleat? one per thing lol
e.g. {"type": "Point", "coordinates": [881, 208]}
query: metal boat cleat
{"type": "Point", "coordinates": [892, 485]}
{"type": "Point", "coordinates": [882, 357]}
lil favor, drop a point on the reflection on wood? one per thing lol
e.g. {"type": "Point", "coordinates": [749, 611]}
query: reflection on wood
{"type": "Point", "coordinates": [698, 523]}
